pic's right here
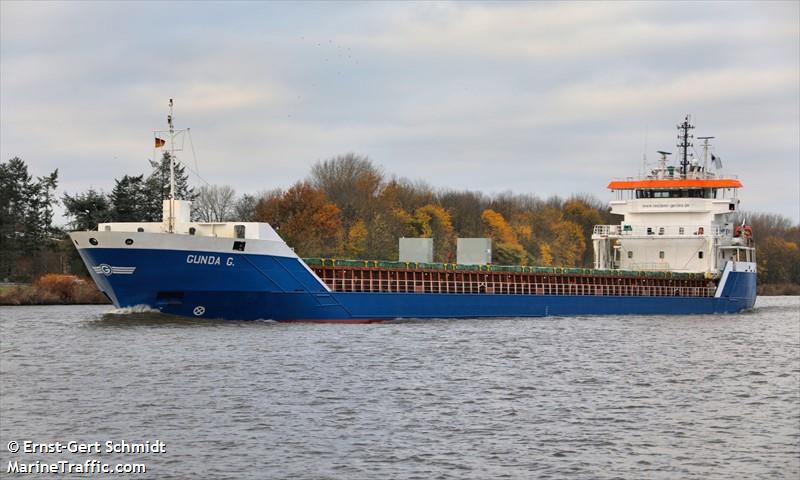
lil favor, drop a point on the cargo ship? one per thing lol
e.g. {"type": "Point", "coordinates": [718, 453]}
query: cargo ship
{"type": "Point", "coordinates": [678, 250]}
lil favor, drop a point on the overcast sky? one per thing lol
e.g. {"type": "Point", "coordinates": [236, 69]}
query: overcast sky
{"type": "Point", "coordinates": [543, 98]}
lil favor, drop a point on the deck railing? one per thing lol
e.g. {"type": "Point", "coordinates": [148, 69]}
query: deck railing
{"type": "Point", "coordinates": [513, 288]}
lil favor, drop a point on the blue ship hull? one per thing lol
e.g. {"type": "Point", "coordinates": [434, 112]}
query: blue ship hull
{"type": "Point", "coordinates": [248, 286]}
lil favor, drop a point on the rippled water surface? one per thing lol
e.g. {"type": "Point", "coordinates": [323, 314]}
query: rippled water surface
{"type": "Point", "coordinates": [605, 397]}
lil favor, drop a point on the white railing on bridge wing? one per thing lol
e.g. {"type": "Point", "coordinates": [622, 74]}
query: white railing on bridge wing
{"type": "Point", "coordinates": [656, 230]}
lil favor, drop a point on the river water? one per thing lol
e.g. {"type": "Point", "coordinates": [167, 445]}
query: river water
{"type": "Point", "coordinates": [605, 397]}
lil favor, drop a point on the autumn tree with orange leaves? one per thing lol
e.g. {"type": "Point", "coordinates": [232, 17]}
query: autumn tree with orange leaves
{"type": "Point", "coordinates": [305, 219]}
{"type": "Point", "coordinates": [433, 221]}
{"type": "Point", "coordinates": [507, 249]}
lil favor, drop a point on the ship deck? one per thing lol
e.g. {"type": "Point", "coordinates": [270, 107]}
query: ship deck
{"type": "Point", "coordinates": [412, 279]}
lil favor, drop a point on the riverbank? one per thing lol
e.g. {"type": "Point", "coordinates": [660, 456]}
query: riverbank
{"type": "Point", "coordinates": [778, 289]}
{"type": "Point", "coordinates": [53, 289]}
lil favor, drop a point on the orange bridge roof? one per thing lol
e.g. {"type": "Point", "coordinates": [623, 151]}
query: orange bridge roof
{"type": "Point", "coordinates": [674, 183]}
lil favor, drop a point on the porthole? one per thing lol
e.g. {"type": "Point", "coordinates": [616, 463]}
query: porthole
{"type": "Point", "coordinates": [140, 229]}
{"type": "Point", "coordinates": [128, 241]}
{"type": "Point", "coordinates": [93, 241]}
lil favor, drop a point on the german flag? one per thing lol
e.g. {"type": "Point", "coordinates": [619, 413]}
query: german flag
{"type": "Point", "coordinates": [160, 142]}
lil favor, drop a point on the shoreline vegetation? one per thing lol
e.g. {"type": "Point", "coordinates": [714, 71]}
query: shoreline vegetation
{"type": "Point", "coordinates": [347, 208]}
{"type": "Point", "coordinates": [778, 289]}
{"type": "Point", "coordinates": [53, 289]}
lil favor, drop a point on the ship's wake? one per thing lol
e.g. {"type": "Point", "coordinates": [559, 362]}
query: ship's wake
{"type": "Point", "coordinates": [145, 316]}
{"type": "Point", "coordinates": [132, 310]}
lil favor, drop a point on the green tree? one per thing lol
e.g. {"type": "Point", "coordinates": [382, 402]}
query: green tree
{"type": "Point", "coordinates": [129, 200]}
{"type": "Point", "coordinates": [509, 254]}
{"type": "Point", "coordinates": [26, 217]}
{"type": "Point", "coordinates": [86, 209]}
{"type": "Point", "coordinates": [157, 187]}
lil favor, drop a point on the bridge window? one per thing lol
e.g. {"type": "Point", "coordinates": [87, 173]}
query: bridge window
{"type": "Point", "coordinates": [630, 253]}
{"type": "Point", "coordinates": [661, 254]}
{"type": "Point", "coordinates": [238, 231]}
{"type": "Point", "coordinates": [680, 230]}
{"type": "Point", "coordinates": [700, 254]}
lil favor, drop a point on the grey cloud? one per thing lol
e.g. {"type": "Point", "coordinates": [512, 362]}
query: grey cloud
{"type": "Point", "coordinates": [553, 98]}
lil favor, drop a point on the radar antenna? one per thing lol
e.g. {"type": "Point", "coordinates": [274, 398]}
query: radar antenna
{"type": "Point", "coordinates": [685, 143]}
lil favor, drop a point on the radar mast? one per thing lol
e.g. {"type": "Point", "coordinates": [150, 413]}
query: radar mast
{"type": "Point", "coordinates": [685, 142]}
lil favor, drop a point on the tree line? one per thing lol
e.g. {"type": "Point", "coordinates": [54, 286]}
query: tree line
{"type": "Point", "coordinates": [347, 207]}
{"type": "Point", "coordinates": [26, 219]}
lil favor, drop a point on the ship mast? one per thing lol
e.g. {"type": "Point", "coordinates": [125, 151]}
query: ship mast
{"type": "Point", "coordinates": [171, 223]}
{"type": "Point", "coordinates": [684, 144]}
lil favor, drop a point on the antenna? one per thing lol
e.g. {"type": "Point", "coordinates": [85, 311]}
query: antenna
{"type": "Point", "coordinates": [684, 144]}
{"type": "Point", "coordinates": [705, 153]}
